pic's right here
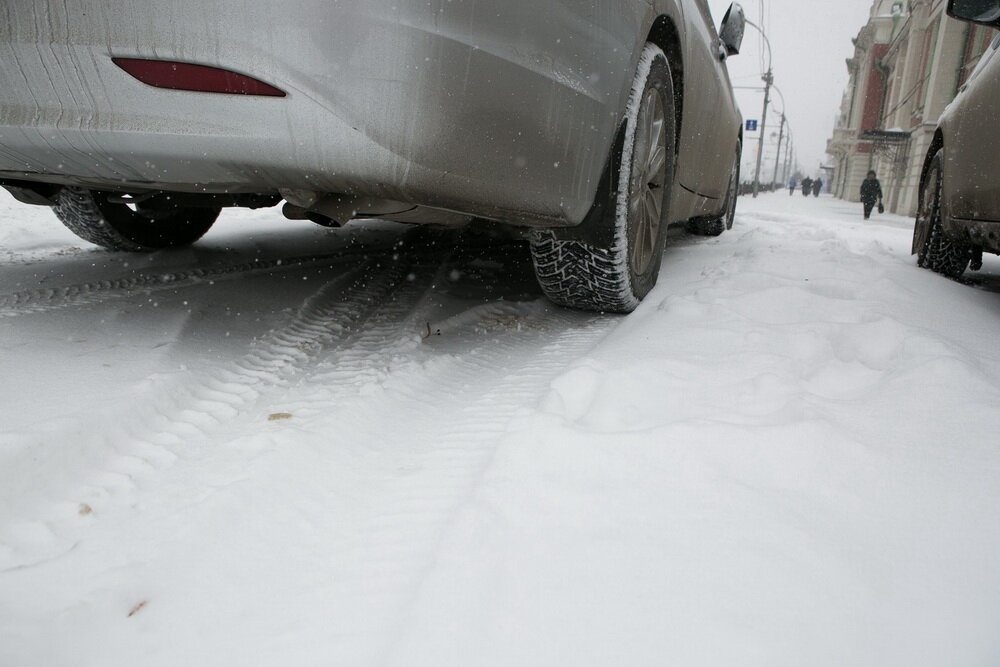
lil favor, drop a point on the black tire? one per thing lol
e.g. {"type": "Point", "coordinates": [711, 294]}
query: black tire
{"type": "Point", "coordinates": [935, 248]}
{"type": "Point", "coordinates": [715, 226]}
{"type": "Point", "coordinates": [91, 216]}
{"type": "Point", "coordinates": [614, 279]}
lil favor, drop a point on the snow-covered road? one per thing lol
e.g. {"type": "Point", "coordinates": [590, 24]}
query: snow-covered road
{"type": "Point", "coordinates": [380, 445]}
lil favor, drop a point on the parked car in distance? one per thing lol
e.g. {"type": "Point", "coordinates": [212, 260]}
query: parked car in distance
{"type": "Point", "coordinates": [959, 214]}
{"type": "Point", "coordinates": [593, 126]}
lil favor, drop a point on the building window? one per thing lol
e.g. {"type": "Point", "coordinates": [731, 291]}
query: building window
{"type": "Point", "coordinates": [927, 61]}
{"type": "Point", "coordinates": [977, 41]}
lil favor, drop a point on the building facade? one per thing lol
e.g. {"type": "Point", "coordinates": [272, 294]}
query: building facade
{"type": "Point", "coordinates": [909, 61]}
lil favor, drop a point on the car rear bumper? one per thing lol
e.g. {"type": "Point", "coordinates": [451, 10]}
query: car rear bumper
{"type": "Point", "coordinates": [407, 102]}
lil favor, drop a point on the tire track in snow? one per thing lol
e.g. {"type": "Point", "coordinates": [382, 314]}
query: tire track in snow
{"type": "Point", "coordinates": [409, 422]}
{"type": "Point", "coordinates": [43, 299]}
{"type": "Point", "coordinates": [441, 418]}
{"type": "Point", "coordinates": [468, 445]}
{"type": "Point", "coordinates": [125, 450]}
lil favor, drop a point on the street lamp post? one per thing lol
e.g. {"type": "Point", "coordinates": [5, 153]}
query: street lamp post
{"type": "Point", "coordinates": [768, 81]}
{"type": "Point", "coordinates": [788, 160]}
{"type": "Point", "coordinates": [777, 155]}
{"type": "Point", "coordinates": [785, 125]}
{"type": "Point", "coordinates": [789, 153]}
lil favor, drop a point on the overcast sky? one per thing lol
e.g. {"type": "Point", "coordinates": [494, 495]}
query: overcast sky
{"type": "Point", "coordinates": [810, 39]}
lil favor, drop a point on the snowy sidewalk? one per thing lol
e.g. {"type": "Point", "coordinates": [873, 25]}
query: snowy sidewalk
{"type": "Point", "coordinates": [787, 456]}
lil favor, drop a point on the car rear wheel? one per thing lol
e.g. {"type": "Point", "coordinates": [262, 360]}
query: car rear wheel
{"type": "Point", "coordinates": [715, 226]}
{"type": "Point", "coordinates": [935, 248]}
{"type": "Point", "coordinates": [93, 217]}
{"type": "Point", "coordinates": [614, 279]}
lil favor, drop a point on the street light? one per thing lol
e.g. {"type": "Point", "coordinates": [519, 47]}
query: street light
{"type": "Point", "coordinates": [782, 164]}
{"type": "Point", "coordinates": [781, 135]}
{"type": "Point", "coordinates": [788, 155]}
{"type": "Point", "coordinates": [768, 82]}
{"type": "Point", "coordinates": [788, 144]}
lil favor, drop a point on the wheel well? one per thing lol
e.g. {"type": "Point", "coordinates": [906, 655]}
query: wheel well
{"type": "Point", "coordinates": [664, 34]}
{"type": "Point", "coordinates": [937, 143]}
{"type": "Point", "coordinates": [29, 192]}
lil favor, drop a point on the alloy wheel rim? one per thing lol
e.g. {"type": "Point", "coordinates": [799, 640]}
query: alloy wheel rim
{"type": "Point", "coordinates": [647, 187]}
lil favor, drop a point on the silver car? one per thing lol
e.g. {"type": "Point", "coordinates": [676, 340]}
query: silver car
{"type": "Point", "coordinates": [592, 124]}
{"type": "Point", "coordinates": [959, 214]}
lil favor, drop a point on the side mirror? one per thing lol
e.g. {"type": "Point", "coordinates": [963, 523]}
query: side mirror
{"type": "Point", "coordinates": [984, 12]}
{"type": "Point", "coordinates": [733, 27]}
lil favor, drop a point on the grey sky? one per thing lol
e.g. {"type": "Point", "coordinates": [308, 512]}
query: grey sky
{"type": "Point", "coordinates": [810, 39]}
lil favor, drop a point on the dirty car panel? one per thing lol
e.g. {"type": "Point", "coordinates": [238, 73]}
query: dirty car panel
{"type": "Point", "coordinates": [496, 109]}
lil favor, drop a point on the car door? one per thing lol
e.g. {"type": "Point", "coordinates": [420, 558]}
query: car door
{"type": "Point", "coordinates": [698, 153]}
{"type": "Point", "coordinates": [728, 119]}
{"type": "Point", "coordinates": [972, 157]}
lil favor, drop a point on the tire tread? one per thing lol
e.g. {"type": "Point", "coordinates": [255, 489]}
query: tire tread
{"type": "Point", "coordinates": [116, 227]}
{"type": "Point", "coordinates": [587, 276]}
{"type": "Point", "coordinates": [77, 210]}
{"type": "Point", "coordinates": [942, 252]}
{"type": "Point", "coordinates": [578, 275]}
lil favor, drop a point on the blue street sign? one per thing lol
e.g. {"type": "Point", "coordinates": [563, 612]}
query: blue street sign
{"type": "Point", "coordinates": [751, 126]}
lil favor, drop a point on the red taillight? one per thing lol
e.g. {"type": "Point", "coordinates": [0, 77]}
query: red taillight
{"type": "Point", "coordinates": [199, 78]}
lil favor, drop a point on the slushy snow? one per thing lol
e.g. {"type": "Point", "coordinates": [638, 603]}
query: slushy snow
{"type": "Point", "coordinates": [381, 445]}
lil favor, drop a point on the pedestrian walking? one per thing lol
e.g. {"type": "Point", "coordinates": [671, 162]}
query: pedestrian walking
{"type": "Point", "coordinates": [793, 185]}
{"type": "Point", "coordinates": [817, 187]}
{"type": "Point", "coordinates": [807, 184]}
{"type": "Point", "coordinates": [871, 193]}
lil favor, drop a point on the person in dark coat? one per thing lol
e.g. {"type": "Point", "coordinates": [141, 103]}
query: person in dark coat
{"type": "Point", "coordinates": [807, 184]}
{"type": "Point", "coordinates": [817, 187]}
{"type": "Point", "coordinates": [871, 193]}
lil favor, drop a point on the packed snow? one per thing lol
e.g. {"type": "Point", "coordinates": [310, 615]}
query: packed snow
{"type": "Point", "coordinates": [381, 445]}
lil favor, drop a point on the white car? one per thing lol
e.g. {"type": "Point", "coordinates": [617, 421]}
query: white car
{"type": "Point", "coordinates": [594, 123]}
